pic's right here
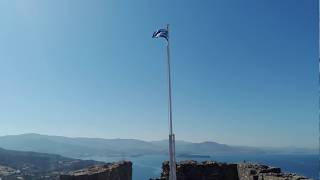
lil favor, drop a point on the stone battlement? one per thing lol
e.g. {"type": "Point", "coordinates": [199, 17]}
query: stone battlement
{"type": "Point", "coordinates": [111, 171]}
{"type": "Point", "coordinates": [186, 170]}
{"type": "Point", "coordinates": [210, 170]}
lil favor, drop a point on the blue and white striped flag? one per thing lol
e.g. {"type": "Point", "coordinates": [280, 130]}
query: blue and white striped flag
{"type": "Point", "coordinates": [161, 33]}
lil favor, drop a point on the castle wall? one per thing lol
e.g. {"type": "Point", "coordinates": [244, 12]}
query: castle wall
{"type": "Point", "coordinates": [112, 171]}
{"type": "Point", "coordinates": [207, 170]}
{"type": "Point", "coordinates": [210, 170]}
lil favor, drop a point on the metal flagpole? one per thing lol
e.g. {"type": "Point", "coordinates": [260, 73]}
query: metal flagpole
{"type": "Point", "coordinates": [172, 158]}
{"type": "Point", "coordinates": [319, 87]}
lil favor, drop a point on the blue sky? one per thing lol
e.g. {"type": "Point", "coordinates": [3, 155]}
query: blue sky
{"type": "Point", "coordinates": [244, 72]}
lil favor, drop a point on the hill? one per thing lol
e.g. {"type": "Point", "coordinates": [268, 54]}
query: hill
{"type": "Point", "coordinates": [87, 147]}
{"type": "Point", "coordinates": [32, 165]}
{"type": "Point", "coordinates": [77, 147]}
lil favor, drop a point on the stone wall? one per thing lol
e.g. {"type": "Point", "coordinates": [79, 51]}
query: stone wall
{"type": "Point", "coordinates": [252, 171]}
{"type": "Point", "coordinates": [210, 170]}
{"type": "Point", "coordinates": [248, 171]}
{"type": "Point", "coordinates": [111, 171]}
{"type": "Point", "coordinates": [186, 170]}
{"type": "Point", "coordinates": [207, 170]}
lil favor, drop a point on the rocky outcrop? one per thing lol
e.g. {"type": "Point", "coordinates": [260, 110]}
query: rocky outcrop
{"type": "Point", "coordinates": [210, 170]}
{"type": "Point", "coordinates": [111, 171]}
{"type": "Point", "coordinates": [261, 172]}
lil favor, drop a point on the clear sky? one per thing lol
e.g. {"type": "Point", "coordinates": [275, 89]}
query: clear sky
{"type": "Point", "coordinates": [244, 72]}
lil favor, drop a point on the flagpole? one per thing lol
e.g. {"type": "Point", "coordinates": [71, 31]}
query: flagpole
{"type": "Point", "coordinates": [172, 158]}
{"type": "Point", "coordinates": [319, 83]}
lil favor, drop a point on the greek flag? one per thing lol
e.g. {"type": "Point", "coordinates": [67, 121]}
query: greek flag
{"type": "Point", "coordinates": [161, 33]}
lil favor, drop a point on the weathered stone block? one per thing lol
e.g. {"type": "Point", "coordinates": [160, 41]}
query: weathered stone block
{"type": "Point", "coordinates": [111, 171]}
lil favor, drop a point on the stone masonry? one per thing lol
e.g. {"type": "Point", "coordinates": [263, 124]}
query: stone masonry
{"type": "Point", "coordinates": [111, 171]}
{"type": "Point", "coordinates": [210, 170]}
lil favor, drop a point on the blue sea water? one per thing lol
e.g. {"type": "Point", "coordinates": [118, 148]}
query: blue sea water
{"type": "Point", "coordinates": [145, 167]}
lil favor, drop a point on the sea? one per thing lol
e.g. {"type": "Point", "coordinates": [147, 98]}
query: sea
{"type": "Point", "coordinates": [149, 166]}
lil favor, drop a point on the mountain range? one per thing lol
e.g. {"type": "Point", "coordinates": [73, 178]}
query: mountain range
{"type": "Point", "coordinates": [87, 147]}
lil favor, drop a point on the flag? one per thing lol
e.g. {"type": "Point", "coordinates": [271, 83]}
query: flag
{"type": "Point", "coordinates": [161, 33]}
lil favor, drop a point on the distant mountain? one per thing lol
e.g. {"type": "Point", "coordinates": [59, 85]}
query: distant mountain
{"type": "Point", "coordinates": [89, 147]}
{"type": "Point", "coordinates": [31, 165]}
{"type": "Point", "coordinates": [207, 148]}
{"type": "Point", "coordinates": [77, 147]}
{"type": "Point", "coordinates": [164, 143]}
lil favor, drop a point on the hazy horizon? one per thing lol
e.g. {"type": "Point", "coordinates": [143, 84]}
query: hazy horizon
{"type": "Point", "coordinates": [151, 140]}
{"type": "Point", "coordinates": [244, 73]}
